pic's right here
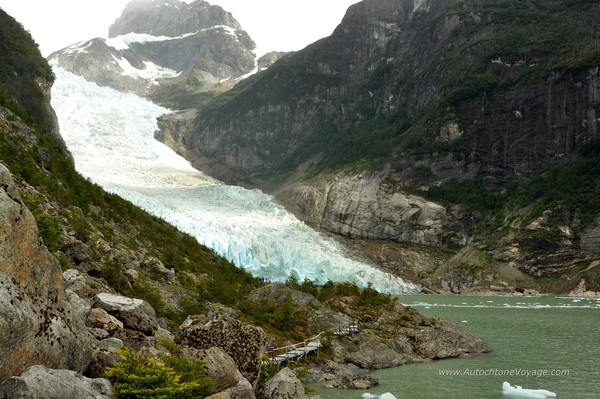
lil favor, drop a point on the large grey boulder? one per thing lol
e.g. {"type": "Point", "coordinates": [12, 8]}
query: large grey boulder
{"type": "Point", "coordinates": [39, 382]}
{"type": "Point", "coordinates": [284, 385]}
{"type": "Point", "coordinates": [242, 390]}
{"type": "Point", "coordinates": [218, 365]}
{"type": "Point", "coordinates": [38, 325]}
{"type": "Point", "coordinates": [135, 314]}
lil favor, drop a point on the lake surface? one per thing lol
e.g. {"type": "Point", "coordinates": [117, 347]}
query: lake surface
{"type": "Point", "coordinates": [537, 342]}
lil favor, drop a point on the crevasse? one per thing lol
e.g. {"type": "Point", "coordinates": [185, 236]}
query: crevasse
{"type": "Point", "coordinates": [111, 137]}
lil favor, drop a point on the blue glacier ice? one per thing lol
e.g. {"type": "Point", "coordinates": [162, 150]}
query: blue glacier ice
{"type": "Point", "coordinates": [111, 137]}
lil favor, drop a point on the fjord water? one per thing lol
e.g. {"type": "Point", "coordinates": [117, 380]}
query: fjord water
{"type": "Point", "coordinates": [527, 335]}
{"type": "Point", "coordinates": [111, 137]}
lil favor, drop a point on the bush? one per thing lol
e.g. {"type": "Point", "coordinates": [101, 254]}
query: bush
{"type": "Point", "coordinates": [137, 377]}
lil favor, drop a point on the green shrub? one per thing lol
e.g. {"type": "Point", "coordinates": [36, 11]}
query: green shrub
{"type": "Point", "coordinates": [49, 229]}
{"type": "Point", "coordinates": [137, 377]}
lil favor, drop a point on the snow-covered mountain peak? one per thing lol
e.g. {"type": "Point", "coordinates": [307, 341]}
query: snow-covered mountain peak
{"type": "Point", "coordinates": [155, 44]}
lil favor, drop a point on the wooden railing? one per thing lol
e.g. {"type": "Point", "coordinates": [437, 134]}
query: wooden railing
{"type": "Point", "coordinates": [299, 350]}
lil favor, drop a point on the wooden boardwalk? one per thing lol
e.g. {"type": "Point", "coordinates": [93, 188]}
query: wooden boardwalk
{"type": "Point", "coordinates": [297, 351]}
{"type": "Point", "coordinates": [293, 352]}
{"type": "Point", "coordinates": [350, 329]}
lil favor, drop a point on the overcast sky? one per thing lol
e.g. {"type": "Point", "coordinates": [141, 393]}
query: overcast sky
{"type": "Point", "coordinates": [273, 24]}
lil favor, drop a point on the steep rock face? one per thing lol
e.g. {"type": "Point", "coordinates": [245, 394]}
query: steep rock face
{"type": "Point", "coordinates": [376, 82]}
{"type": "Point", "coordinates": [534, 126]}
{"type": "Point", "coordinates": [288, 116]}
{"type": "Point", "coordinates": [37, 323]}
{"type": "Point", "coordinates": [163, 42]}
{"type": "Point", "coordinates": [360, 206]}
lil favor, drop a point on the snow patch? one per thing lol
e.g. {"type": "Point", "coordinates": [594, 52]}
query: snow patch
{"type": "Point", "coordinates": [78, 48]}
{"type": "Point", "coordinates": [151, 71]}
{"type": "Point", "coordinates": [228, 30]}
{"type": "Point", "coordinates": [122, 42]}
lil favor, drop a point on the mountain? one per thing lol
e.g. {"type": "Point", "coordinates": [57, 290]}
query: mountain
{"type": "Point", "coordinates": [156, 47]}
{"type": "Point", "coordinates": [461, 127]}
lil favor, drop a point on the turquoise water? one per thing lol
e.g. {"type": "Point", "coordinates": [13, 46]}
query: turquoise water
{"type": "Point", "coordinates": [558, 337]}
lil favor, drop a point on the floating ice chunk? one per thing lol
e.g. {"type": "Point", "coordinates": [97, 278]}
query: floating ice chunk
{"type": "Point", "coordinates": [517, 391]}
{"type": "Point", "coordinates": [386, 395]}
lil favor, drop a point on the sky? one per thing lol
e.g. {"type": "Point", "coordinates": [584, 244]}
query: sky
{"type": "Point", "coordinates": [282, 25]}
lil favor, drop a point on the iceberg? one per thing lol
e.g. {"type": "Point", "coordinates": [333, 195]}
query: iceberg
{"type": "Point", "coordinates": [386, 395]}
{"type": "Point", "coordinates": [111, 137]}
{"type": "Point", "coordinates": [517, 391]}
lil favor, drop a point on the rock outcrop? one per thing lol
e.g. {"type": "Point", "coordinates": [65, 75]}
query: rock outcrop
{"type": "Point", "coordinates": [38, 325]}
{"type": "Point", "coordinates": [243, 342]}
{"type": "Point", "coordinates": [136, 314]}
{"type": "Point", "coordinates": [39, 382]}
{"type": "Point", "coordinates": [361, 206]}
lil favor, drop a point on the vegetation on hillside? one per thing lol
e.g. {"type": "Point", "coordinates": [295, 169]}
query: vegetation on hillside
{"type": "Point", "coordinates": [24, 73]}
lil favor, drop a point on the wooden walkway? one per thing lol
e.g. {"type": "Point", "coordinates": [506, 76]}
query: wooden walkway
{"type": "Point", "coordinates": [350, 329]}
{"type": "Point", "coordinates": [293, 352]}
{"type": "Point", "coordinates": [297, 351]}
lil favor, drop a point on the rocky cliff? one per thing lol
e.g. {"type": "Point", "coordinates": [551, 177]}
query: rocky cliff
{"type": "Point", "coordinates": [39, 325]}
{"type": "Point", "coordinates": [385, 85]}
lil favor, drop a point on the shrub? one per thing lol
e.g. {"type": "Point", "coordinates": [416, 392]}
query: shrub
{"type": "Point", "coordinates": [137, 377]}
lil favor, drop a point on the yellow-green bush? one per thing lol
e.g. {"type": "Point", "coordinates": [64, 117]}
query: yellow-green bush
{"type": "Point", "coordinates": [137, 377]}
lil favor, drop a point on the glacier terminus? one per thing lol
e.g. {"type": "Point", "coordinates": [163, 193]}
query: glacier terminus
{"type": "Point", "coordinates": [111, 137]}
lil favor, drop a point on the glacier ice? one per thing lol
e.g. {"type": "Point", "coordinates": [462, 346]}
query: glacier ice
{"type": "Point", "coordinates": [111, 137]}
{"type": "Point", "coordinates": [517, 391]}
{"type": "Point", "coordinates": [386, 395]}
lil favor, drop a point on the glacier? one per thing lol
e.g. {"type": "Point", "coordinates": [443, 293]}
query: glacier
{"type": "Point", "coordinates": [111, 137]}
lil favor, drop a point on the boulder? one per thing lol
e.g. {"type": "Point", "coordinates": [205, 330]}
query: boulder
{"type": "Point", "coordinates": [284, 385]}
{"type": "Point", "coordinates": [38, 325]}
{"type": "Point", "coordinates": [100, 319]}
{"type": "Point", "coordinates": [39, 382]}
{"type": "Point", "coordinates": [243, 389]}
{"type": "Point", "coordinates": [243, 342]}
{"type": "Point", "coordinates": [135, 314]}
{"type": "Point", "coordinates": [219, 366]}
